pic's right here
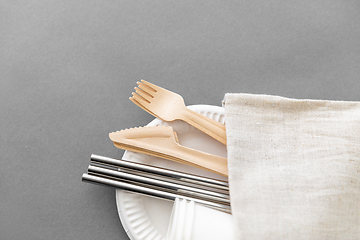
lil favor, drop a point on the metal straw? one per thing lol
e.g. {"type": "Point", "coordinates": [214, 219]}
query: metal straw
{"type": "Point", "coordinates": [183, 177]}
{"type": "Point", "coordinates": [151, 192]}
{"type": "Point", "coordinates": [176, 188]}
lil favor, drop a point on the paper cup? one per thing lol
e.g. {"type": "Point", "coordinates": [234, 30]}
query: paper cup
{"type": "Point", "coordinates": [192, 221]}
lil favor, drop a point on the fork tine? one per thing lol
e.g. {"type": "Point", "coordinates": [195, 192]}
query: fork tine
{"type": "Point", "coordinates": [138, 104]}
{"type": "Point", "coordinates": [144, 94]}
{"type": "Point", "coordinates": [146, 88]}
{"type": "Point", "coordinates": [153, 86]}
{"type": "Point", "coordinates": [140, 99]}
{"type": "Point", "coordinates": [141, 106]}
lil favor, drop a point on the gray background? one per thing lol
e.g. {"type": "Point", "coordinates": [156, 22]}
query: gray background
{"type": "Point", "coordinates": [68, 67]}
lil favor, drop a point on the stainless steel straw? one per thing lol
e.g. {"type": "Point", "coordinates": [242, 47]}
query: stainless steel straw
{"type": "Point", "coordinates": [174, 187]}
{"type": "Point", "coordinates": [151, 192]}
{"type": "Point", "coordinates": [172, 174]}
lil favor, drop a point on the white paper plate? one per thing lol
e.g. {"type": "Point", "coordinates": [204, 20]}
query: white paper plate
{"type": "Point", "coordinates": [148, 218]}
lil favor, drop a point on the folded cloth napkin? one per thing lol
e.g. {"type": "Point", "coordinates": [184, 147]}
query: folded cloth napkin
{"type": "Point", "coordinates": [294, 167]}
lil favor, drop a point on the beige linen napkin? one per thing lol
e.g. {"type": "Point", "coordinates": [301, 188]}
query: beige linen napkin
{"type": "Point", "coordinates": [294, 167]}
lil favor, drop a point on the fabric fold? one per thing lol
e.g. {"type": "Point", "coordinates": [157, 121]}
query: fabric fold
{"type": "Point", "coordinates": [294, 167]}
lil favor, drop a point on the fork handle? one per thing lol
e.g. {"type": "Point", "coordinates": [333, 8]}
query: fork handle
{"type": "Point", "coordinates": [207, 125]}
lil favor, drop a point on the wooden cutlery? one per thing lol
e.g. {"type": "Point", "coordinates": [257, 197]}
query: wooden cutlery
{"type": "Point", "coordinates": [162, 142]}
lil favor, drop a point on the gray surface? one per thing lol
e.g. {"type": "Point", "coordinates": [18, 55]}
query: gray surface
{"type": "Point", "coordinates": [67, 69]}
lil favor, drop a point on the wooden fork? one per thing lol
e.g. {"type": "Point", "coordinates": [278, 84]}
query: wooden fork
{"type": "Point", "coordinates": [170, 106]}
